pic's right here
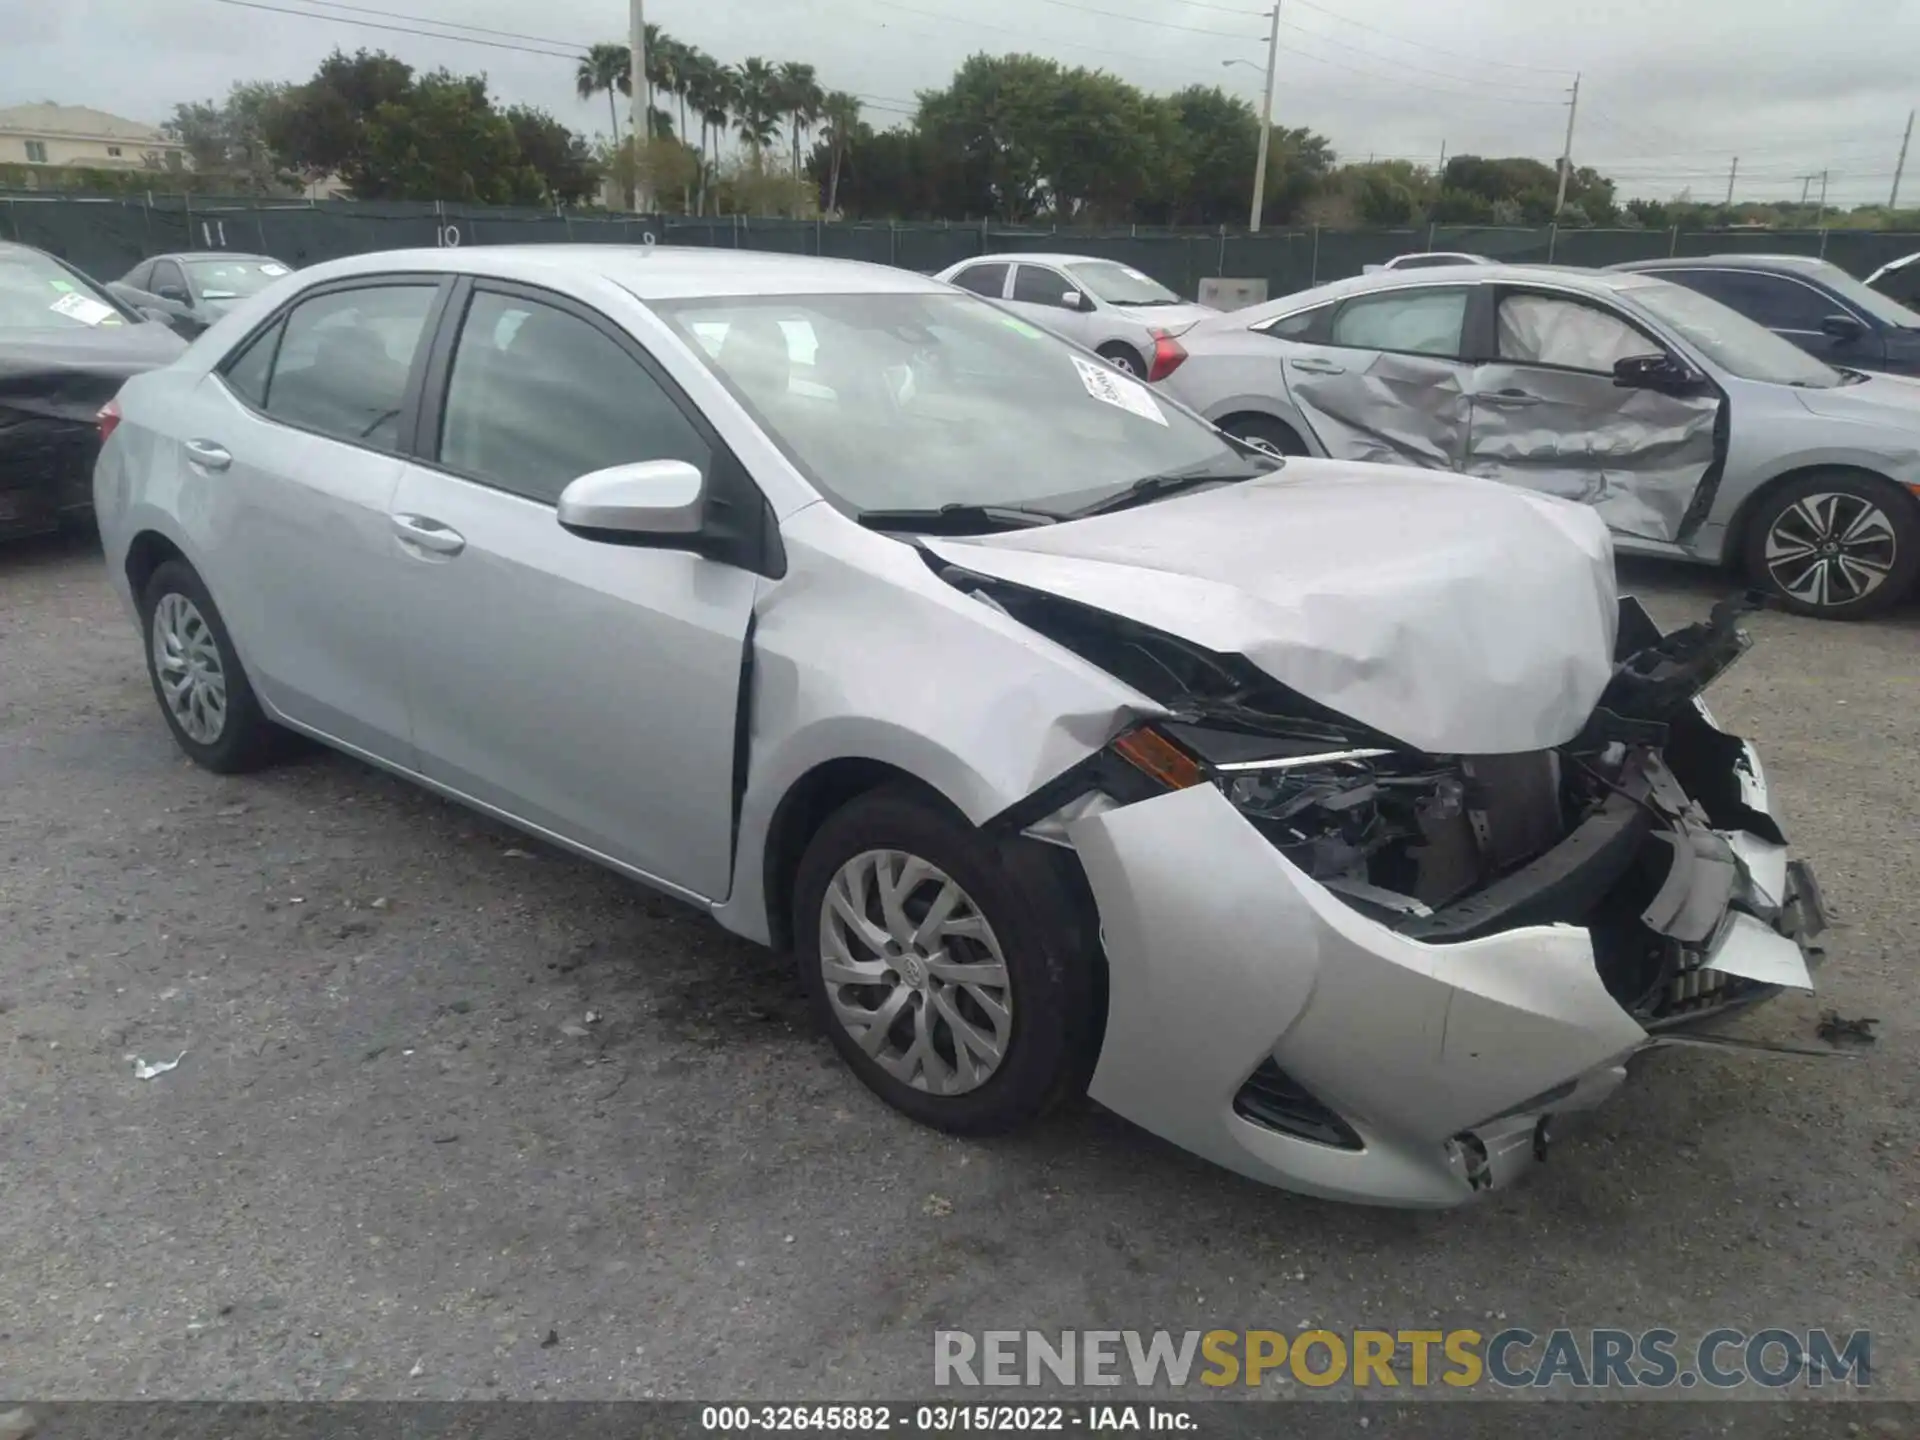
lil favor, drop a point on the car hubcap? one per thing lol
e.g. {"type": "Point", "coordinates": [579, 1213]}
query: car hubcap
{"type": "Point", "coordinates": [1831, 549]}
{"type": "Point", "coordinates": [185, 657]}
{"type": "Point", "coordinates": [1121, 362]}
{"type": "Point", "coordinates": [915, 973]}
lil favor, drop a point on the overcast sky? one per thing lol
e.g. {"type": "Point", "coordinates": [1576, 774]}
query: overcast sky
{"type": "Point", "coordinates": [1671, 90]}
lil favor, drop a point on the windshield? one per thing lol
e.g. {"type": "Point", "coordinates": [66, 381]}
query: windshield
{"type": "Point", "coordinates": [1883, 308]}
{"type": "Point", "coordinates": [1119, 284]}
{"type": "Point", "coordinates": [1739, 346]}
{"type": "Point", "coordinates": [918, 401]}
{"type": "Point", "coordinates": [37, 292]}
{"type": "Point", "coordinates": [231, 279]}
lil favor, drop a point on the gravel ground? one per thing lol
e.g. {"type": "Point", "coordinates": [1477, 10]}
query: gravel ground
{"type": "Point", "coordinates": [463, 1117]}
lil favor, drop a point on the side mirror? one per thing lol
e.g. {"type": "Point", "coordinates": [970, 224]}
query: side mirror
{"type": "Point", "coordinates": [173, 293]}
{"type": "Point", "coordinates": [1843, 327]}
{"type": "Point", "coordinates": [1654, 372]}
{"type": "Point", "coordinates": [658, 503]}
{"type": "Point", "coordinates": [1071, 299]}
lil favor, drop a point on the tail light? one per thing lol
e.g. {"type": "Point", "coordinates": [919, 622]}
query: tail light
{"type": "Point", "coordinates": [1168, 353]}
{"type": "Point", "coordinates": [108, 417]}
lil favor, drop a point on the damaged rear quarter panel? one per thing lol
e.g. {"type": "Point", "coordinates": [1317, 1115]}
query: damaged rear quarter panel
{"type": "Point", "coordinates": [862, 652]}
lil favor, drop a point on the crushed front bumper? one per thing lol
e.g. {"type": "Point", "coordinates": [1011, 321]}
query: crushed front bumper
{"type": "Point", "coordinates": [1259, 1021]}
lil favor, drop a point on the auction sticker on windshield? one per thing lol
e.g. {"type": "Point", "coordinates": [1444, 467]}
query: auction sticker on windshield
{"type": "Point", "coordinates": [85, 309]}
{"type": "Point", "coordinates": [1116, 389]}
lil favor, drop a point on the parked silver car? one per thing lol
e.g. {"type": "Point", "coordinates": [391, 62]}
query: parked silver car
{"type": "Point", "coordinates": [1333, 821]}
{"type": "Point", "coordinates": [1694, 432]}
{"type": "Point", "coordinates": [1426, 260]}
{"type": "Point", "coordinates": [1126, 316]}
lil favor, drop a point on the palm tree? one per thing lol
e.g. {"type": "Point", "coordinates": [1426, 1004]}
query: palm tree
{"type": "Point", "coordinates": [605, 67]}
{"type": "Point", "coordinates": [841, 111]}
{"type": "Point", "coordinates": [756, 105]}
{"type": "Point", "coordinates": [797, 96]}
{"type": "Point", "coordinates": [663, 64]}
{"type": "Point", "coordinates": [709, 91]}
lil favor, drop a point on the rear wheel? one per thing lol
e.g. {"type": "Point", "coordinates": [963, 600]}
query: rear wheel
{"type": "Point", "coordinates": [197, 678]}
{"type": "Point", "coordinates": [944, 972]}
{"type": "Point", "coordinates": [1836, 544]}
{"type": "Point", "coordinates": [1123, 357]}
{"type": "Point", "coordinates": [1263, 432]}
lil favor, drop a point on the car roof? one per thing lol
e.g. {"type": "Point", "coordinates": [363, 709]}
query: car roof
{"type": "Point", "coordinates": [1567, 277]}
{"type": "Point", "coordinates": [1726, 262]}
{"type": "Point", "coordinates": [209, 255]}
{"type": "Point", "coordinates": [1042, 257]}
{"type": "Point", "coordinates": [651, 272]}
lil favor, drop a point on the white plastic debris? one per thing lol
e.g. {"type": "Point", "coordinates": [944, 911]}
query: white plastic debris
{"type": "Point", "coordinates": [144, 1071]}
{"type": "Point", "coordinates": [419, 1369]}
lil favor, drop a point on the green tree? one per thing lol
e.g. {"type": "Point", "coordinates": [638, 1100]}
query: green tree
{"type": "Point", "coordinates": [841, 113]}
{"type": "Point", "coordinates": [227, 139]}
{"type": "Point", "coordinates": [567, 169]}
{"type": "Point", "coordinates": [1220, 137]}
{"type": "Point", "coordinates": [605, 67]}
{"type": "Point", "coordinates": [757, 103]}
{"type": "Point", "coordinates": [710, 91]}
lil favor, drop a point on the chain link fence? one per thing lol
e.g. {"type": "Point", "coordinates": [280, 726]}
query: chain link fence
{"type": "Point", "coordinates": [107, 237]}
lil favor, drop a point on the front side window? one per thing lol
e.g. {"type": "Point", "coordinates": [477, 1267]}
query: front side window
{"type": "Point", "coordinates": [1414, 322]}
{"type": "Point", "coordinates": [1035, 285]}
{"type": "Point", "coordinates": [1119, 284]}
{"type": "Point", "coordinates": [344, 360]}
{"type": "Point", "coordinates": [1742, 347]}
{"type": "Point", "coordinates": [1775, 301]}
{"type": "Point", "coordinates": [914, 401]}
{"type": "Point", "coordinates": [1884, 308]}
{"type": "Point", "coordinates": [539, 397]}
{"type": "Point", "coordinates": [988, 280]}
{"type": "Point", "coordinates": [1551, 330]}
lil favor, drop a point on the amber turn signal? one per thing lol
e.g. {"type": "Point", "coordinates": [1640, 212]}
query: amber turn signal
{"type": "Point", "coordinates": [1150, 752]}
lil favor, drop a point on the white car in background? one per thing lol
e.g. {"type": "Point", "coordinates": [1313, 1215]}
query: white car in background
{"type": "Point", "coordinates": [1128, 317]}
{"type": "Point", "coordinates": [1426, 260]}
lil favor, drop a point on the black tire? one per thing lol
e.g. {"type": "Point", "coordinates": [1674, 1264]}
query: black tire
{"type": "Point", "coordinates": [246, 739]}
{"type": "Point", "coordinates": [1124, 357]}
{"type": "Point", "coordinates": [1830, 594]}
{"type": "Point", "coordinates": [1265, 433]}
{"type": "Point", "coordinates": [1055, 990]}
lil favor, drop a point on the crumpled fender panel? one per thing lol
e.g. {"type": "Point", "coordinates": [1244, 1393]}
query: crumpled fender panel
{"type": "Point", "coordinates": [1220, 952]}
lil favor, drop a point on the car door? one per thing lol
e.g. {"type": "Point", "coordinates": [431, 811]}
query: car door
{"type": "Point", "coordinates": [298, 434]}
{"type": "Point", "coordinates": [1039, 294]}
{"type": "Point", "coordinates": [1547, 415]}
{"type": "Point", "coordinates": [1793, 309]}
{"type": "Point", "coordinates": [1382, 379]}
{"type": "Point", "coordinates": [589, 690]}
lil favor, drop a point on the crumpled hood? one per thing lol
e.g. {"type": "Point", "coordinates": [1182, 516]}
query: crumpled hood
{"type": "Point", "coordinates": [70, 374]}
{"type": "Point", "coordinates": [1457, 615]}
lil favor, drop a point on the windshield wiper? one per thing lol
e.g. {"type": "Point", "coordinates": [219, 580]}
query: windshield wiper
{"type": "Point", "coordinates": [1153, 487]}
{"type": "Point", "coordinates": [958, 519]}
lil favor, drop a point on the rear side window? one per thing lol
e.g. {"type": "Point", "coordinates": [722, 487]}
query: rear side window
{"type": "Point", "coordinates": [343, 362]}
{"type": "Point", "coordinates": [538, 397]}
{"type": "Point", "coordinates": [988, 280]}
{"type": "Point", "coordinates": [248, 372]}
{"type": "Point", "coordinates": [1307, 325]}
{"type": "Point", "coordinates": [1413, 322]}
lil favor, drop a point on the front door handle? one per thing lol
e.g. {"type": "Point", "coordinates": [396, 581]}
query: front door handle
{"type": "Point", "coordinates": [1510, 399]}
{"type": "Point", "coordinates": [1318, 367]}
{"type": "Point", "coordinates": [207, 455]}
{"type": "Point", "coordinates": [426, 533]}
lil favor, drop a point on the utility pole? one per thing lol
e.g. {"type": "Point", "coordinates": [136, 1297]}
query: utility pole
{"type": "Point", "coordinates": [1806, 182]}
{"type": "Point", "coordinates": [642, 96]}
{"type": "Point", "coordinates": [1901, 164]}
{"type": "Point", "coordinates": [1566, 154]}
{"type": "Point", "coordinates": [1443, 161]}
{"type": "Point", "coordinates": [1732, 170]}
{"type": "Point", "coordinates": [1266, 121]}
{"type": "Point", "coordinates": [1821, 214]}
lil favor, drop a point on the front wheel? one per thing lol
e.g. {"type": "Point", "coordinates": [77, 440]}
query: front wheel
{"type": "Point", "coordinates": [1262, 432]}
{"type": "Point", "coordinates": [1837, 544]}
{"type": "Point", "coordinates": [948, 976]}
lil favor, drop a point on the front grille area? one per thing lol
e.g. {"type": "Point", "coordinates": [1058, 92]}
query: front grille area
{"type": "Point", "coordinates": [1274, 1099]}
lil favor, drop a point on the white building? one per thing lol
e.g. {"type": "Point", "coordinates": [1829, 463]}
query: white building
{"type": "Point", "coordinates": [75, 135]}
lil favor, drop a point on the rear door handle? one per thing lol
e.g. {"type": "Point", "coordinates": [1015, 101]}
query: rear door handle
{"type": "Point", "coordinates": [207, 455]}
{"type": "Point", "coordinates": [426, 533]}
{"type": "Point", "coordinates": [1318, 367]}
{"type": "Point", "coordinates": [1510, 399]}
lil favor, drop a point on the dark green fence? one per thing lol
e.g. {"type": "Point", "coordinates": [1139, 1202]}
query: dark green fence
{"type": "Point", "coordinates": [105, 237]}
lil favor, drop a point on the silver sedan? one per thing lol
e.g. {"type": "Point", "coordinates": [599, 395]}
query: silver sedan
{"type": "Point", "coordinates": [1693, 431]}
{"type": "Point", "coordinates": [1336, 822]}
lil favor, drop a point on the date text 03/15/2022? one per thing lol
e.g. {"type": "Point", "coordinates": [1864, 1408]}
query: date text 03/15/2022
{"type": "Point", "coordinates": [945, 1419]}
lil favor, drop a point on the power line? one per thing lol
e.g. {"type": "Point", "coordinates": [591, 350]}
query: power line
{"type": "Point", "coordinates": [1028, 35]}
{"type": "Point", "coordinates": [1398, 83]}
{"type": "Point", "coordinates": [570, 54]}
{"type": "Point", "coordinates": [1417, 69]}
{"type": "Point", "coordinates": [1424, 45]}
{"type": "Point", "coordinates": [445, 24]}
{"type": "Point", "coordinates": [1142, 20]}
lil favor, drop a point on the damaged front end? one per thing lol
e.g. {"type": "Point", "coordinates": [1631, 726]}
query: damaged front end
{"type": "Point", "coordinates": [1431, 955]}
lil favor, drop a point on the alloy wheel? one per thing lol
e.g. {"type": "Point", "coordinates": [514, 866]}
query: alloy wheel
{"type": "Point", "coordinates": [1831, 548]}
{"type": "Point", "coordinates": [915, 973]}
{"type": "Point", "coordinates": [193, 683]}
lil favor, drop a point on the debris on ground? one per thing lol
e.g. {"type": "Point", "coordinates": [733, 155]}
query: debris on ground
{"type": "Point", "coordinates": [1836, 1029]}
{"type": "Point", "coordinates": [938, 1206]}
{"type": "Point", "coordinates": [144, 1071]}
{"type": "Point", "coordinates": [419, 1369]}
{"type": "Point", "coordinates": [514, 852]}
{"type": "Point", "coordinates": [380, 902]}
{"type": "Point", "coordinates": [552, 1339]}
{"type": "Point", "coordinates": [573, 1031]}
{"type": "Point", "coordinates": [590, 1017]}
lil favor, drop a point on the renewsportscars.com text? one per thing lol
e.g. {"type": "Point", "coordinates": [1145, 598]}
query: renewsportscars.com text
{"type": "Point", "coordinates": [1512, 1358]}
